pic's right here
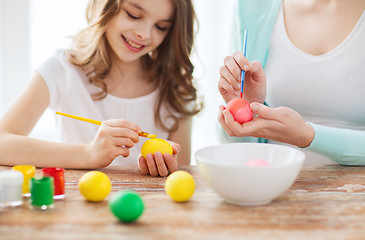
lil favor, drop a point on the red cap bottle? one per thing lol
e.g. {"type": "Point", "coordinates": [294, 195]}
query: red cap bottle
{"type": "Point", "coordinates": [59, 180]}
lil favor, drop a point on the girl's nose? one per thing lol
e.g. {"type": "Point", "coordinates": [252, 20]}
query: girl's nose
{"type": "Point", "coordinates": [143, 32]}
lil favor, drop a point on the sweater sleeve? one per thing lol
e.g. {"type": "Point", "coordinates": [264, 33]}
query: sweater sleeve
{"type": "Point", "coordinates": [258, 17]}
{"type": "Point", "coordinates": [343, 146]}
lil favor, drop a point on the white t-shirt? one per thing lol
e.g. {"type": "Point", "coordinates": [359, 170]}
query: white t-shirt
{"type": "Point", "coordinates": [327, 89]}
{"type": "Point", "coordinates": [70, 91]}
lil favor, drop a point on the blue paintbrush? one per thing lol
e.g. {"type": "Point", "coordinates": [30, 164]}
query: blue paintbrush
{"type": "Point", "coordinates": [244, 53]}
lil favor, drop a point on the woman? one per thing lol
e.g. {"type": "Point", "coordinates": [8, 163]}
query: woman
{"type": "Point", "coordinates": [314, 60]}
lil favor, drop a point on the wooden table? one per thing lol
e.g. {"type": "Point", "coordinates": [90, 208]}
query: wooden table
{"type": "Point", "coordinates": [325, 202]}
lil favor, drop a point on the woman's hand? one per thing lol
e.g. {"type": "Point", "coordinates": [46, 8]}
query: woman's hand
{"type": "Point", "coordinates": [279, 124]}
{"type": "Point", "coordinates": [229, 84]}
{"type": "Point", "coordinates": [158, 164]}
{"type": "Point", "coordinates": [113, 138]}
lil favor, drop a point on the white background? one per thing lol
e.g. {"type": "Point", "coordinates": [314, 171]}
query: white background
{"type": "Point", "coordinates": [31, 30]}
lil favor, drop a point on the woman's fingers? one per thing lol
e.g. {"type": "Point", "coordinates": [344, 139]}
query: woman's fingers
{"type": "Point", "coordinates": [224, 85]}
{"type": "Point", "coordinates": [231, 126]}
{"type": "Point", "coordinates": [231, 71]}
{"type": "Point", "coordinates": [255, 66]}
{"type": "Point", "coordinates": [241, 62]}
{"type": "Point", "coordinates": [267, 112]}
{"type": "Point", "coordinates": [222, 120]}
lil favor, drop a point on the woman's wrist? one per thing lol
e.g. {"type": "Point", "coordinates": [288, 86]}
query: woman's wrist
{"type": "Point", "coordinates": [308, 136]}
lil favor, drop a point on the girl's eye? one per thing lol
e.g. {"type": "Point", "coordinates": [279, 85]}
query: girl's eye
{"type": "Point", "coordinates": [131, 15]}
{"type": "Point", "coordinates": [161, 28]}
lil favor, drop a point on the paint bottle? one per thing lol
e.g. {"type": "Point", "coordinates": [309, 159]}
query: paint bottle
{"type": "Point", "coordinates": [41, 193]}
{"type": "Point", "coordinates": [28, 172]}
{"type": "Point", "coordinates": [58, 179]}
{"type": "Point", "coordinates": [11, 183]}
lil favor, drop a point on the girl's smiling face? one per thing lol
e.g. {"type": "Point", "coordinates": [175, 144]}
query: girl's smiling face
{"type": "Point", "coordinates": [139, 28]}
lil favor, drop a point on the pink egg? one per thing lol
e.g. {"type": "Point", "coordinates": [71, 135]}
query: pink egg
{"type": "Point", "coordinates": [240, 110]}
{"type": "Point", "coordinates": [257, 163]}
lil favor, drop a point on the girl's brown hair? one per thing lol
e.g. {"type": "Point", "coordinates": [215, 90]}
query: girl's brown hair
{"type": "Point", "coordinates": [169, 65]}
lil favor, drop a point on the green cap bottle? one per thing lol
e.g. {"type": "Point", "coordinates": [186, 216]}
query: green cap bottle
{"type": "Point", "coordinates": [42, 191]}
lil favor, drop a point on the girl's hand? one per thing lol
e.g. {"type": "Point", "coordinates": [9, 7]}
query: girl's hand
{"type": "Point", "coordinates": [158, 164]}
{"type": "Point", "coordinates": [113, 138]}
{"type": "Point", "coordinates": [229, 84]}
{"type": "Point", "coordinates": [279, 124]}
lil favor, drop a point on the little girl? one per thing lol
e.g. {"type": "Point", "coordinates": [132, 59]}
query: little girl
{"type": "Point", "coordinates": [129, 68]}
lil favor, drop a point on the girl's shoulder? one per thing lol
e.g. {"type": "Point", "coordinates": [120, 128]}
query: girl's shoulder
{"type": "Point", "coordinates": [58, 71]}
{"type": "Point", "coordinates": [57, 61]}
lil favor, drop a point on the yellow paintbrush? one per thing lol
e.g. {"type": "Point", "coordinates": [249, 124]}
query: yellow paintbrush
{"type": "Point", "coordinates": [142, 134]}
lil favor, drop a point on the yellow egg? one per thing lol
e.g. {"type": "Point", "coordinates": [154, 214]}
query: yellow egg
{"type": "Point", "coordinates": [180, 186]}
{"type": "Point", "coordinates": [95, 186]}
{"type": "Point", "coordinates": [156, 145]}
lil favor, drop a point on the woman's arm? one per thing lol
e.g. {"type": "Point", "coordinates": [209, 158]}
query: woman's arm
{"type": "Point", "coordinates": [279, 124]}
{"type": "Point", "coordinates": [282, 124]}
{"type": "Point", "coordinates": [343, 146]}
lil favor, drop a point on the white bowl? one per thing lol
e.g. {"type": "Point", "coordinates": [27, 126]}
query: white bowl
{"type": "Point", "coordinates": [224, 169]}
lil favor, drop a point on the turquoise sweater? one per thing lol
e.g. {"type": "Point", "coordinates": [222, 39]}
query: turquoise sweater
{"type": "Point", "coordinates": [343, 146]}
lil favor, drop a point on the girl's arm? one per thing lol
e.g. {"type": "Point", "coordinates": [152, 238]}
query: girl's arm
{"type": "Point", "coordinates": [17, 148]}
{"type": "Point", "coordinates": [183, 137]}
{"type": "Point", "coordinates": [16, 124]}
